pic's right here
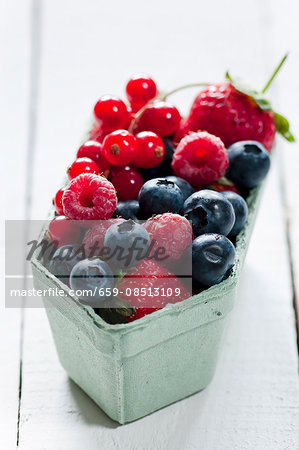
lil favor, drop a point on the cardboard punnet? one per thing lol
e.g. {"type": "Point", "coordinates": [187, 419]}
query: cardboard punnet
{"type": "Point", "coordinates": [131, 370]}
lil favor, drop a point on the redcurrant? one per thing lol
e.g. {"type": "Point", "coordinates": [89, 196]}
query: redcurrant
{"type": "Point", "coordinates": [57, 201]}
{"type": "Point", "coordinates": [127, 167]}
{"type": "Point", "coordinates": [64, 231]}
{"type": "Point", "coordinates": [127, 184]}
{"type": "Point", "coordinates": [150, 150]}
{"type": "Point", "coordinates": [97, 133]}
{"type": "Point", "coordinates": [120, 147]}
{"type": "Point", "coordinates": [82, 165]}
{"type": "Point", "coordinates": [159, 117]}
{"type": "Point", "coordinates": [94, 151]}
{"type": "Point", "coordinates": [111, 113]}
{"type": "Point", "coordinates": [140, 89]}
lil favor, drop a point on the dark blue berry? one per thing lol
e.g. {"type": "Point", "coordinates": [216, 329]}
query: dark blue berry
{"type": "Point", "coordinates": [126, 244]}
{"type": "Point", "coordinates": [159, 196]}
{"type": "Point", "coordinates": [64, 259]}
{"type": "Point", "coordinates": [164, 167]}
{"type": "Point", "coordinates": [249, 163]}
{"type": "Point", "coordinates": [213, 256]}
{"type": "Point", "coordinates": [184, 186]}
{"type": "Point", "coordinates": [128, 210]}
{"type": "Point", "coordinates": [91, 280]}
{"type": "Point", "coordinates": [209, 212]}
{"type": "Point", "coordinates": [240, 209]}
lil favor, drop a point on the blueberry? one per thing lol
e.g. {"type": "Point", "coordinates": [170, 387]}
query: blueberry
{"type": "Point", "coordinates": [128, 210]}
{"type": "Point", "coordinates": [126, 243]}
{"type": "Point", "coordinates": [240, 209]}
{"type": "Point", "coordinates": [159, 196]}
{"type": "Point", "coordinates": [212, 257]}
{"type": "Point", "coordinates": [91, 279]}
{"type": "Point", "coordinates": [64, 259]}
{"type": "Point", "coordinates": [164, 167]}
{"type": "Point", "coordinates": [184, 186]}
{"type": "Point", "coordinates": [249, 163]}
{"type": "Point", "coordinates": [209, 212]}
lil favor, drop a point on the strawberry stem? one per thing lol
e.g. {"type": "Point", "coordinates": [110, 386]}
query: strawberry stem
{"type": "Point", "coordinates": [180, 88]}
{"type": "Point", "coordinates": [274, 73]}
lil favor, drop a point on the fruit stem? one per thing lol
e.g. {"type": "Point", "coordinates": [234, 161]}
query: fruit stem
{"type": "Point", "coordinates": [275, 73]}
{"type": "Point", "coordinates": [138, 115]}
{"type": "Point", "coordinates": [180, 88]}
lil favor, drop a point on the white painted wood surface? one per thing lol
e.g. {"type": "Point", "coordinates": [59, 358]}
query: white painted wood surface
{"type": "Point", "coordinates": [88, 48]}
{"type": "Point", "coordinates": [14, 94]}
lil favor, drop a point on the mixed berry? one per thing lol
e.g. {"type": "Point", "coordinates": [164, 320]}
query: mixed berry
{"type": "Point", "coordinates": [187, 179]}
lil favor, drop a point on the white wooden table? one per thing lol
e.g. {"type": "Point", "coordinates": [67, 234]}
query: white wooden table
{"type": "Point", "coordinates": [57, 58]}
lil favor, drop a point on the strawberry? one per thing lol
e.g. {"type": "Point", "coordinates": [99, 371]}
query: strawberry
{"type": "Point", "coordinates": [231, 115]}
{"type": "Point", "coordinates": [141, 312]}
{"type": "Point", "coordinates": [151, 286]}
{"type": "Point", "coordinates": [223, 185]}
{"type": "Point", "coordinates": [234, 112]}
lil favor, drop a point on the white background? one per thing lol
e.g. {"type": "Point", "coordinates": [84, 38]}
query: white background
{"type": "Point", "coordinates": [57, 58]}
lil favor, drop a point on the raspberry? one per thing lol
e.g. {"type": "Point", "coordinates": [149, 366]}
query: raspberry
{"type": "Point", "coordinates": [150, 150]}
{"type": "Point", "coordinates": [155, 278]}
{"type": "Point", "coordinates": [82, 165]}
{"type": "Point", "coordinates": [89, 197]}
{"type": "Point", "coordinates": [94, 236]}
{"type": "Point", "coordinates": [127, 184]}
{"type": "Point", "coordinates": [94, 151]}
{"type": "Point", "coordinates": [64, 231]}
{"type": "Point", "coordinates": [200, 159]}
{"type": "Point", "coordinates": [120, 147]}
{"type": "Point", "coordinates": [171, 232]}
{"type": "Point", "coordinates": [231, 115]}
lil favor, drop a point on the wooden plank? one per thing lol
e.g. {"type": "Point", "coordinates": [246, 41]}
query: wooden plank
{"type": "Point", "coordinates": [287, 101]}
{"type": "Point", "coordinates": [14, 50]}
{"type": "Point", "coordinates": [253, 400]}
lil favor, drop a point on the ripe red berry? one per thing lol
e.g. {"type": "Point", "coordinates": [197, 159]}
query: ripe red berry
{"type": "Point", "coordinates": [160, 117]}
{"type": "Point", "coordinates": [150, 150]}
{"type": "Point", "coordinates": [94, 236]}
{"type": "Point", "coordinates": [127, 184]}
{"type": "Point", "coordinates": [120, 147]}
{"type": "Point", "coordinates": [57, 201]}
{"type": "Point", "coordinates": [128, 167]}
{"type": "Point", "coordinates": [94, 151]}
{"type": "Point", "coordinates": [82, 165]}
{"type": "Point", "coordinates": [140, 89]}
{"type": "Point", "coordinates": [222, 187]}
{"type": "Point", "coordinates": [171, 232]}
{"type": "Point", "coordinates": [64, 231]}
{"type": "Point", "coordinates": [97, 133]}
{"type": "Point", "coordinates": [150, 273]}
{"type": "Point", "coordinates": [141, 312]}
{"type": "Point", "coordinates": [111, 113]}
{"type": "Point", "coordinates": [89, 197]}
{"type": "Point", "coordinates": [233, 116]}
{"type": "Point", "coordinates": [200, 158]}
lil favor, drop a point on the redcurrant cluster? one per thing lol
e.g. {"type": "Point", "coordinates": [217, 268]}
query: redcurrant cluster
{"type": "Point", "coordinates": [125, 138]}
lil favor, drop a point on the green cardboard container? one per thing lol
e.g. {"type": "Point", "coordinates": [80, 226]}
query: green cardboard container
{"type": "Point", "coordinates": [131, 370]}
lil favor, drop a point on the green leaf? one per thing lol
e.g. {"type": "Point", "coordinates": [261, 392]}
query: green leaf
{"type": "Point", "coordinates": [283, 127]}
{"type": "Point", "coordinates": [259, 98]}
{"type": "Point", "coordinates": [225, 181]}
